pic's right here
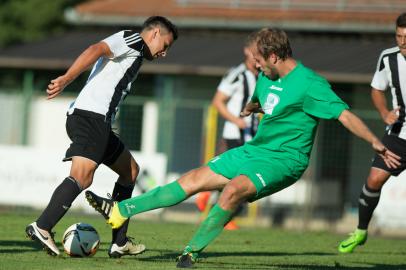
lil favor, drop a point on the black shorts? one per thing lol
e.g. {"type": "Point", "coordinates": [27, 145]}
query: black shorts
{"type": "Point", "coordinates": [230, 143]}
{"type": "Point", "coordinates": [397, 146]}
{"type": "Point", "coordinates": [92, 138]}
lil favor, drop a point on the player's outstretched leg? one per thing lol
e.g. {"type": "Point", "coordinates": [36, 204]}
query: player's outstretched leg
{"type": "Point", "coordinates": [357, 238]}
{"type": "Point", "coordinates": [117, 213]}
{"type": "Point", "coordinates": [45, 238]}
{"type": "Point", "coordinates": [107, 208]}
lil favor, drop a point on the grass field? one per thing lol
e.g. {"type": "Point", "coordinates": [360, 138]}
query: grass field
{"type": "Point", "coordinates": [265, 248]}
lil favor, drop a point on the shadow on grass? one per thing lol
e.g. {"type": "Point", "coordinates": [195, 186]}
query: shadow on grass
{"type": "Point", "coordinates": [165, 255]}
{"type": "Point", "coordinates": [251, 266]}
{"type": "Point", "coordinates": [21, 246]}
{"type": "Point", "coordinates": [18, 246]}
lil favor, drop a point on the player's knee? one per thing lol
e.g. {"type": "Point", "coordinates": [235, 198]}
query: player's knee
{"type": "Point", "coordinates": [375, 182]}
{"type": "Point", "coordinates": [135, 170]}
{"type": "Point", "coordinates": [83, 177]}
{"type": "Point", "coordinates": [193, 182]}
{"type": "Point", "coordinates": [231, 197]}
{"type": "Point", "coordinates": [128, 175]}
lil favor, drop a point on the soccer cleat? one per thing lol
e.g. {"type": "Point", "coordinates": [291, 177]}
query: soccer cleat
{"type": "Point", "coordinates": [185, 261]}
{"type": "Point", "coordinates": [129, 248]}
{"type": "Point", "coordinates": [43, 237]}
{"type": "Point", "coordinates": [102, 205]}
{"type": "Point", "coordinates": [107, 208]}
{"type": "Point", "coordinates": [357, 238]}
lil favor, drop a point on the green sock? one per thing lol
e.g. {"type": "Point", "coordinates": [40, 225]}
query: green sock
{"type": "Point", "coordinates": [158, 197]}
{"type": "Point", "coordinates": [211, 227]}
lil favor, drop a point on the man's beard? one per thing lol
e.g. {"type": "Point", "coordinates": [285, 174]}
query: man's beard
{"type": "Point", "coordinates": [273, 75]}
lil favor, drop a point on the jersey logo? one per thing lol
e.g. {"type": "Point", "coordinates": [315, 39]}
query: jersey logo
{"type": "Point", "coordinates": [271, 101]}
{"type": "Point", "coordinates": [273, 87]}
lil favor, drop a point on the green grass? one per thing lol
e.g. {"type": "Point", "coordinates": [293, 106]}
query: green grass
{"type": "Point", "coordinates": [267, 248]}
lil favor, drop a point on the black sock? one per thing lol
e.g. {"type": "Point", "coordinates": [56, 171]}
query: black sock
{"type": "Point", "coordinates": [368, 200]}
{"type": "Point", "coordinates": [59, 204]}
{"type": "Point", "coordinates": [120, 193]}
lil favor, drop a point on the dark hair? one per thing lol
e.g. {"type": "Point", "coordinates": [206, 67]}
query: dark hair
{"type": "Point", "coordinates": [270, 40]}
{"type": "Point", "coordinates": [163, 22]}
{"type": "Point", "coordinates": [401, 20]}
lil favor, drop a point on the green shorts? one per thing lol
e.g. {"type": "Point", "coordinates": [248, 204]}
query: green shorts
{"type": "Point", "coordinates": [269, 173]}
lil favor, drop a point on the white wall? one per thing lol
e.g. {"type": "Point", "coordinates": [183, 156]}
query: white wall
{"type": "Point", "coordinates": [11, 115]}
{"type": "Point", "coordinates": [47, 123]}
{"type": "Point", "coordinates": [29, 175]}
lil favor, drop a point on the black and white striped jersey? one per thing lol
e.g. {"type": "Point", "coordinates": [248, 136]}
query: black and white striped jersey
{"type": "Point", "coordinates": [239, 85]}
{"type": "Point", "coordinates": [110, 79]}
{"type": "Point", "coordinates": [391, 73]}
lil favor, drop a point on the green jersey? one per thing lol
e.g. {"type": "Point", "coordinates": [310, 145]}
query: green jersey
{"type": "Point", "coordinates": [293, 106]}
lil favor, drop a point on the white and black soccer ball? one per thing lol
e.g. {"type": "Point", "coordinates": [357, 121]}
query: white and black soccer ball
{"type": "Point", "coordinates": [80, 240]}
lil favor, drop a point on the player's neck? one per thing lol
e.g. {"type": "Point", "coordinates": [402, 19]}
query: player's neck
{"type": "Point", "coordinates": [251, 68]}
{"type": "Point", "coordinates": [286, 66]}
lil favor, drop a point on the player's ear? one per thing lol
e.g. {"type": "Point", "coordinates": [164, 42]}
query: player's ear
{"type": "Point", "coordinates": [155, 33]}
{"type": "Point", "coordinates": [274, 58]}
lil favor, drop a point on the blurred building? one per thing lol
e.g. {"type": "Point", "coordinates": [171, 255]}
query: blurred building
{"type": "Point", "coordinates": [339, 39]}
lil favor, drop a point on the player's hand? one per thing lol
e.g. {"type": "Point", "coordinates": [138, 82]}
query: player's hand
{"type": "Point", "coordinates": [240, 123]}
{"type": "Point", "coordinates": [391, 117]}
{"type": "Point", "coordinates": [56, 86]}
{"type": "Point", "coordinates": [251, 108]}
{"type": "Point", "coordinates": [391, 159]}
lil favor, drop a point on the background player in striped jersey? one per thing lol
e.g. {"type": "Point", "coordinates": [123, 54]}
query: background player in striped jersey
{"type": "Point", "coordinates": [390, 73]}
{"type": "Point", "coordinates": [233, 93]}
{"type": "Point", "coordinates": [116, 61]}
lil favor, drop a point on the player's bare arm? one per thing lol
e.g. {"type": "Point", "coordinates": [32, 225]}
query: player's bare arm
{"type": "Point", "coordinates": [219, 102]}
{"type": "Point", "coordinates": [379, 101]}
{"type": "Point", "coordinates": [82, 63]}
{"type": "Point", "coordinates": [251, 107]}
{"type": "Point", "coordinates": [354, 124]}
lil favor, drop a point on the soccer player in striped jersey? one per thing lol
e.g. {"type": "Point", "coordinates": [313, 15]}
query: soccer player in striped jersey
{"type": "Point", "coordinates": [293, 99]}
{"type": "Point", "coordinates": [390, 74]}
{"type": "Point", "coordinates": [116, 61]}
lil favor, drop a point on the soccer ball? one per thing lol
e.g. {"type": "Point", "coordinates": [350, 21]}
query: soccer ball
{"type": "Point", "coordinates": [80, 240]}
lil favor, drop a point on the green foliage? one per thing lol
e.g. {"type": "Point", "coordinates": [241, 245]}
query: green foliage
{"type": "Point", "coordinates": [29, 20]}
{"type": "Point", "coordinates": [260, 248]}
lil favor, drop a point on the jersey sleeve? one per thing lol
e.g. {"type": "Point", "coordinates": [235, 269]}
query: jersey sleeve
{"type": "Point", "coordinates": [380, 80]}
{"type": "Point", "coordinates": [230, 82]}
{"type": "Point", "coordinates": [321, 102]}
{"type": "Point", "coordinates": [125, 43]}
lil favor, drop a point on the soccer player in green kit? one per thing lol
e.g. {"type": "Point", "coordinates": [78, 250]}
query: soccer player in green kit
{"type": "Point", "coordinates": [293, 98]}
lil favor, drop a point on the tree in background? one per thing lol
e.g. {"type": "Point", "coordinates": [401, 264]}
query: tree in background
{"type": "Point", "coordinates": [30, 20]}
